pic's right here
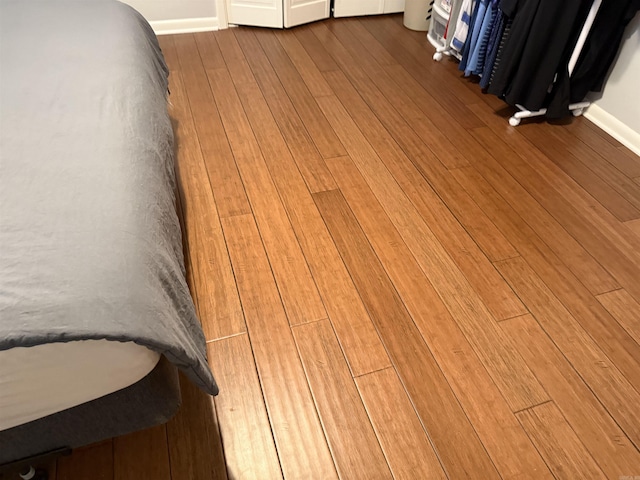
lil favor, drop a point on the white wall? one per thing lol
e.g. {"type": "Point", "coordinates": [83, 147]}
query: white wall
{"type": "Point", "coordinates": [178, 16]}
{"type": "Point", "coordinates": [618, 109]}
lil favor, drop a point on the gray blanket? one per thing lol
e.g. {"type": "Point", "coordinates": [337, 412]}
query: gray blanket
{"type": "Point", "coordinates": [90, 244]}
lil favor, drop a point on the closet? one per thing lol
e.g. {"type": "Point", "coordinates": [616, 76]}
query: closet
{"type": "Point", "coordinates": [540, 56]}
{"type": "Point", "coordinates": [289, 13]}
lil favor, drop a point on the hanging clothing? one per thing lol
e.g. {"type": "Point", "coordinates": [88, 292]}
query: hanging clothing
{"type": "Point", "coordinates": [474, 30]}
{"type": "Point", "coordinates": [462, 25]}
{"type": "Point", "coordinates": [477, 57]}
{"type": "Point", "coordinates": [596, 57]}
{"type": "Point", "coordinates": [493, 46]}
{"type": "Point", "coordinates": [536, 48]}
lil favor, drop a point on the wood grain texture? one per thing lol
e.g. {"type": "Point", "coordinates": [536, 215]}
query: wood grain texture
{"type": "Point", "coordinates": [354, 328]}
{"type": "Point", "coordinates": [299, 438]}
{"type": "Point", "coordinates": [299, 293]}
{"type": "Point", "coordinates": [142, 455]}
{"type": "Point", "coordinates": [193, 435]}
{"type": "Point", "coordinates": [325, 140]}
{"type": "Point", "coordinates": [589, 164]}
{"type": "Point", "coordinates": [405, 444]}
{"type": "Point", "coordinates": [222, 171]}
{"type": "Point", "coordinates": [521, 389]}
{"type": "Point", "coordinates": [303, 63]}
{"type": "Point", "coordinates": [594, 426]}
{"type": "Point", "coordinates": [634, 226]}
{"type": "Point", "coordinates": [351, 438]}
{"type": "Point", "coordinates": [495, 293]}
{"type": "Point", "coordinates": [234, 57]}
{"type": "Point", "coordinates": [453, 436]}
{"type": "Point", "coordinates": [91, 462]}
{"type": "Point", "coordinates": [209, 50]}
{"type": "Point", "coordinates": [624, 309]}
{"type": "Point", "coordinates": [244, 426]}
{"type": "Point", "coordinates": [499, 171]}
{"type": "Point", "coordinates": [298, 140]}
{"type": "Point", "coordinates": [218, 301]}
{"type": "Point", "coordinates": [614, 390]}
{"type": "Point", "coordinates": [584, 307]}
{"type": "Point", "coordinates": [561, 448]}
{"type": "Point", "coordinates": [506, 443]}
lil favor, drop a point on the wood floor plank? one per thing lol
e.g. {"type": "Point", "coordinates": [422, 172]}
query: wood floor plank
{"type": "Point", "coordinates": [209, 50]}
{"type": "Point", "coordinates": [142, 455]}
{"type": "Point", "coordinates": [390, 103]}
{"type": "Point", "coordinates": [596, 429]}
{"type": "Point", "coordinates": [299, 293]}
{"type": "Point", "coordinates": [561, 448]}
{"type": "Point", "coordinates": [234, 57]}
{"type": "Point", "coordinates": [314, 48]}
{"type": "Point", "coordinates": [593, 213]}
{"type": "Point", "coordinates": [356, 332]}
{"type": "Point", "coordinates": [406, 446]}
{"type": "Point", "coordinates": [94, 461]}
{"type": "Point", "coordinates": [218, 302]}
{"type": "Point", "coordinates": [325, 140]}
{"type": "Point", "coordinates": [305, 153]}
{"type": "Point", "coordinates": [453, 436]}
{"type": "Point", "coordinates": [599, 232]}
{"type": "Point", "coordinates": [222, 171]}
{"type": "Point", "coordinates": [459, 245]}
{"type": "Point", "coordinates": [625, 310]}
{"type": "Point", "coordinates": [565, 144]}
{"type": "Point", "coordinates": [620, 157]}
{"type": "Point", "coordinates": [351, 438]}
{"type": "Point", "coordinates": [503, 176]}
{"type": "Point", "coordinates": [599, 372]}
{"type": "Point", "coordinates": [417, 61]}
{"type": "Point", "coordinates": [483, 231]}
{"type": "Point", "coordinates": [298, 435]}
{"type": "Point", "coordinates": [247, 440]}
{"type": "Point", "coordinates": [589, 180]}
{"type": "Point", "coordinates": [461, 300]}
{"type": "Point", "coordinates": [634, 225]}
{"type": "Point", "coordinates": [168, 47]}
{"type": "Point", "coordinates": [584, 307]}
{"type": "Point", "coordinates": [478, 395]}
{"type": "Point", "coordinates": [193, 436]}
{"type": "Point", "coordinates": [310, 74]}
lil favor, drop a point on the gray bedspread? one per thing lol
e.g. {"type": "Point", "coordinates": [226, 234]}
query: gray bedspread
{"type": "Point", "coordinates": [90, 244]}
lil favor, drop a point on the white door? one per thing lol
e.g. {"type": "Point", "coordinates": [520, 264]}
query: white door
{"type": "Point", "coordinates": [256, 13]}
{"type": "Point", "coordinates": [276, 13]}
{"type": "Point", "coordinates": [297, 12]}
{"type": "Point", "coordinates": [354, 8]}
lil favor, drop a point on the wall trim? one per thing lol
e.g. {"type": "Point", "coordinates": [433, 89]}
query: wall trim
{"type": "Point", "coordinates": [614, 127]}
{"type": "Point", "coordinates": [185, 25]}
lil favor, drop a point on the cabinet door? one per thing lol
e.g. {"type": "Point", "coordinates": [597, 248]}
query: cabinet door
{"type": "Point", "coordinates": [297, 12]}
{"type": "Point", "coordinates": [256, 13]}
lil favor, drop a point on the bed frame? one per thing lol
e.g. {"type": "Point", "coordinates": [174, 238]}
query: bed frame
{"type": "Point", "coordinates": [149, 402]}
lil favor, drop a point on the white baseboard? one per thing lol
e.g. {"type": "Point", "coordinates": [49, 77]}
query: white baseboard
{"type": "Point", "coordinates": [185, 25]}
{"type": "Point", "coordinates": [614, 127]}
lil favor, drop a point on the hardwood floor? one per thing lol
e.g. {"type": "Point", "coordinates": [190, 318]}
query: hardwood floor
{"type": "Point", "coordinates": [393, 282]}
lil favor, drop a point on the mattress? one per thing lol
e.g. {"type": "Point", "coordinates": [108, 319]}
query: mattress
{"type": "Point", "coordinates": [90, 243]}
{"type": "Point", "coordinates": [46, 379]}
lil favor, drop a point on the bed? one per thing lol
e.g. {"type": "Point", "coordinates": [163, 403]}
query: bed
{"type": "Point", "coordinates": [95, 313]}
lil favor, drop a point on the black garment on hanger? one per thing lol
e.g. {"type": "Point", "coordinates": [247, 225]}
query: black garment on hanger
{"type": "Point", "coordinates": [535, 48]}
{"type": "Point", "coordinates": [597, 55]}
